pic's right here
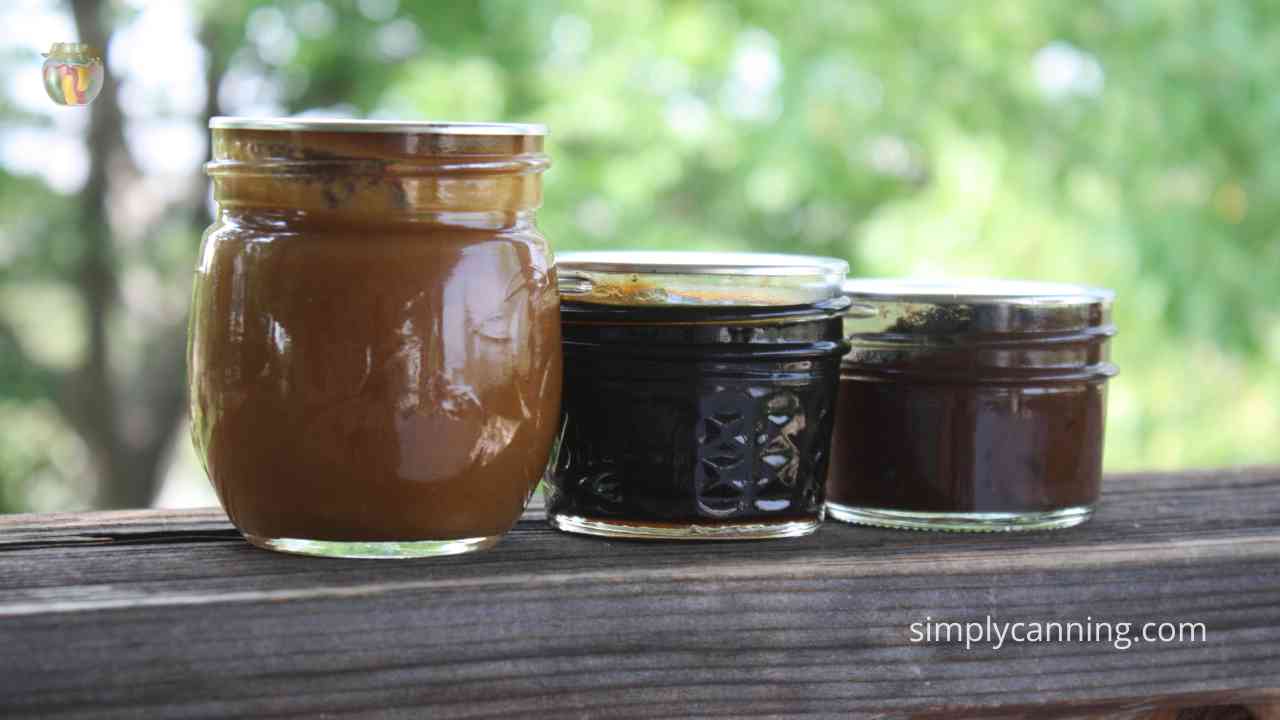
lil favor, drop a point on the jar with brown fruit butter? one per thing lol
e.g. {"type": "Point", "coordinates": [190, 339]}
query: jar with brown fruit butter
{"type": "Point", "coordinates": [699, 391]}
{"type": "Point", "coordinates": [374, 353]}
{"type": "Point", "coordinates": [971, 405]}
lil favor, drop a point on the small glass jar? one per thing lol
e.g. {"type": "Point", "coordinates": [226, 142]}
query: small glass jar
{"type": "Point", "coordinates": [699, 391]}
{"type": "Point", "coordinates": [971, 406]}
{"type": "Point", "coordinates": [73, 73]}
{"type": "Point", "coordinates": [375, 355]}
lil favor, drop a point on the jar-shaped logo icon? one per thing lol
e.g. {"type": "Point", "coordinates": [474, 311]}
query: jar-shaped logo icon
{"type": "Point", "coordinates": [73, 73]}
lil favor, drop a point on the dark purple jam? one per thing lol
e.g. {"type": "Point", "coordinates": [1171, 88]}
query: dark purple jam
{"type": "Point", "coordinates": [696, 416]}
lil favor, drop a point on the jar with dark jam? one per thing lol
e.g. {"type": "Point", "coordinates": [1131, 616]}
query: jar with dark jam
{"type": "Point", "coordinates": [971, 406]}
{"type": "Point", "coordinates": [699, 394]}
{"type": "Point", "coordinates": [375, 356]}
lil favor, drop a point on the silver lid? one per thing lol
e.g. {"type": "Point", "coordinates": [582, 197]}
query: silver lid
{"type": "Point", "coordinates": [961, 307]}
{"type": "Point", "coordinates": [376, 126]}
{"type": "Point", "coordinates": [73, 51]}
{"type": "Point", "coordinates": [654, 278]}
{"type": "Point", "coordinates": [1014, 292]}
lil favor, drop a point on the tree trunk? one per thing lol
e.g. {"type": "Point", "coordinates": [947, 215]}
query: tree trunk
{"type": "Point", "coordinates": [128, 437]}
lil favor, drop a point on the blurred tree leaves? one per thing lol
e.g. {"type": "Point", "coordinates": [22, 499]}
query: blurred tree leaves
{"type": "Point", "coordinates": [1123, 144]}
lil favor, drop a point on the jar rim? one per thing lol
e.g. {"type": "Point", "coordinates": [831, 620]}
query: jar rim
{"type": "Point", "coordinates": [352, 125]}
{"type": "Point", "coordinates": [698, 278]}
{"type": "Point", "coordinates": [699, 262]}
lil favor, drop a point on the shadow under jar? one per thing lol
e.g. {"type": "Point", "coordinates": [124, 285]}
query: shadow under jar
{"type": "Point", "coordinates": [699, 392]}
{"type": "Point", "coordinates": [374, 351]}
{"type": "Point", "coordinates": [971, 406]}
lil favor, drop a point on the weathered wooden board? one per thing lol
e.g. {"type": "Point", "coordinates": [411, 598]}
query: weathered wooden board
{"type": "Point", "coordinates": [153, 614]}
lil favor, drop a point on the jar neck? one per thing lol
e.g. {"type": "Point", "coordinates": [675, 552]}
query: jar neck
{"type": "Point", "coordinates": [573, 311]}
{"type": "Point", "coordinates": [366, 178]}
{"type": "Point", "coordinates": [1081, 355]}
{"type": "Point", "coordinates": [273, 219]}
{"type": "Point", "coordinates": [706, 333]}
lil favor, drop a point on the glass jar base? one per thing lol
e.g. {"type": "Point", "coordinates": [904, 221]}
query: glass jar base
{"type": "Point", "coordinates": [683, 531]}
{"type": "Point", "coordinates": [961, 521]}
{"type": "Point", "coordinates": [375, 550]}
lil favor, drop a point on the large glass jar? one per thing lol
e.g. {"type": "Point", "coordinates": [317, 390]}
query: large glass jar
{"type": "Point", "coordinates": [699, 392]}
{"type": "Point", "coordinates": [375, 356]}
{"type": "Point", "coordinates": [974, 405]}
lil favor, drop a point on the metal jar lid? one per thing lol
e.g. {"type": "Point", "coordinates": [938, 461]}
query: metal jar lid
{"type": "Point", "coordinates": [375, 126]}
{"type": "Point", "coordinates": [977, 331]}
{"type": "Point", "coordinates": [698, 279]}
{"type": "Point", "coordinates": [906, 308]}
{"type": "Point", "coordinates": [282, 149]}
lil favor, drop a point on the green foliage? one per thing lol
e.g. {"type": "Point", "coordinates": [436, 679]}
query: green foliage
{"type": "Point", "coordinates": [42, 467]}
{"type": "Point", "coordinates": [1122, 144]}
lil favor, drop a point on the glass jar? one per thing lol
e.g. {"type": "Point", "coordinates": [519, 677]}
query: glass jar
{"type": "Point", "coordinates": [971, 405]}
{"type": "Point", "coordinates": [73, 73]}
{"type": "Point", "coordinates": [699, 391]}
{"type": "Point", "coordinates": [374, 353]}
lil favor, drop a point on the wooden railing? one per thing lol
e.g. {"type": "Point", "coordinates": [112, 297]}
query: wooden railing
{"type": "Point", "coordinates": [154, 613]}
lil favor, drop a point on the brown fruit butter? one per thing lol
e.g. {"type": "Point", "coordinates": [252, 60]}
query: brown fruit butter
{"type": "Point", "coordinates": [375, 348]}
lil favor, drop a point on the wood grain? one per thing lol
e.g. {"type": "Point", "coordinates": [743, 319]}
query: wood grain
{"type": "Point", "coordinates": [147, 613]}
